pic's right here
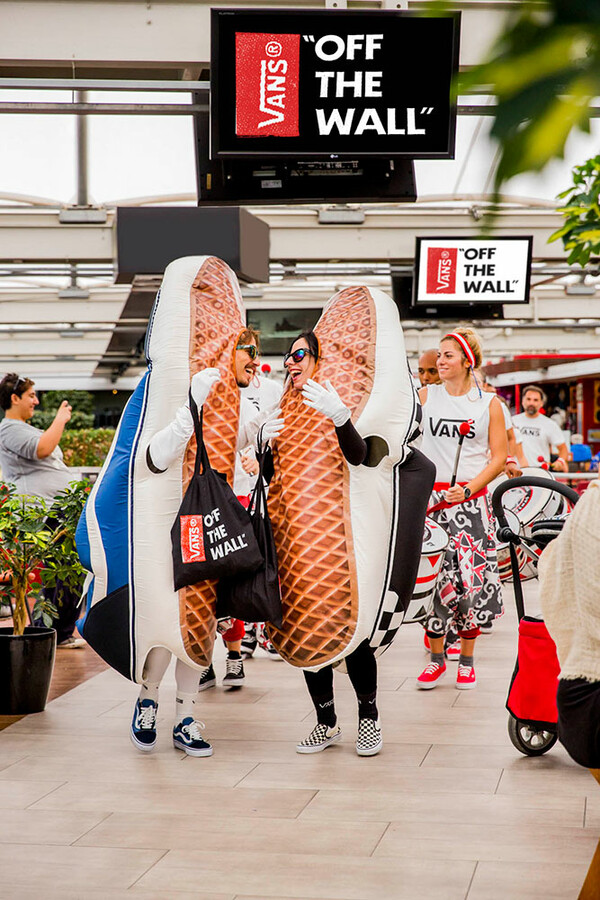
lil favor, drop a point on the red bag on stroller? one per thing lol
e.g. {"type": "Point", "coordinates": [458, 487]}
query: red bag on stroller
{"type": "Point", "coordinates": [532, 693]}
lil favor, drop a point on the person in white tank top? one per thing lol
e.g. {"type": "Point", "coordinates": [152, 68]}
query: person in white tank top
{"type": "Point", "coordinates": [468, 593]}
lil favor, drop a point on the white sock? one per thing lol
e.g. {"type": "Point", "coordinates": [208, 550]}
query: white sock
{"type": "Point", "coordinates": [149, 692]}
{"type": "Point", "coordinates": [184, 706]}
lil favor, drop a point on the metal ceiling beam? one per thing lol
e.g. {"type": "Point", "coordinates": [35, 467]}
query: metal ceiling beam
{"type": "Point", "coordinates": [104, 109]}
{"type": "Point", "coordinates": [170, 37]}
{"type": "Point", "coordinates": [101, 84]}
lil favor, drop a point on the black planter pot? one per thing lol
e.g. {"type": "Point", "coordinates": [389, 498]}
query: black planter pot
{"type": "Point", "coordinates": [26, 664]}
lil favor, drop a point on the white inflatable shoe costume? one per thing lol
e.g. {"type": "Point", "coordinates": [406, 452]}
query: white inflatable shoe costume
{"type": "Point", "coordinates": [339, 528]}
{"type": "Point", "coordinates": [123, 537]}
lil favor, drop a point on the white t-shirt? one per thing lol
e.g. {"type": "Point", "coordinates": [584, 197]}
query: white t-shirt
{"type": "Point", "coordinates": [254, 399]}
{"type": "Point", "coordinates": [442, 417]}
{"type": "Point", "coordinates": [538, 434]}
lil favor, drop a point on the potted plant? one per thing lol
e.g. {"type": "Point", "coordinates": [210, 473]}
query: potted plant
{"type": "Point", "coordinates": [37, 550]}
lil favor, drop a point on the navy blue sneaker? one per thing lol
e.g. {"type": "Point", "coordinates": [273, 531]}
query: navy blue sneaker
{"type": "Point", "coordinates": [143, 725]}
{"type": "Point", "coordinates": [187, 737]}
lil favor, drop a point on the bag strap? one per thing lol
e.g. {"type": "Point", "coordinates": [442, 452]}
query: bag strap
{"type": "Point", "coordinates": [258, 498]}
{"type": "Point", "coordinates": [201, 452]}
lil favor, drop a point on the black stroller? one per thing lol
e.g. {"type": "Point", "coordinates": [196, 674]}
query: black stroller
{"type": "Point", "coordinates": [531, 699]}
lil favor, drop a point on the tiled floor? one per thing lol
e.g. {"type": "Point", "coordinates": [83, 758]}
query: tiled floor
{"type": "Point", "coordinates": [449, 810]}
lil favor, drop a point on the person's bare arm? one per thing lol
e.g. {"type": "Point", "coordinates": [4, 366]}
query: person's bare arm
{"type": "Point", "coordinates": [52, 435]}
{"type": "Point", "coordinates": [562, 463]}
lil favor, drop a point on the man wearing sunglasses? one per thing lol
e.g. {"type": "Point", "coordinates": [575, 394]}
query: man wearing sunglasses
{"type": "Point", "coordinates": [165, 447]}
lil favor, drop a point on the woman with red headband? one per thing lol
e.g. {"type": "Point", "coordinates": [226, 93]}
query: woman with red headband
{"type": "Point", "coordinates": [468, 593]}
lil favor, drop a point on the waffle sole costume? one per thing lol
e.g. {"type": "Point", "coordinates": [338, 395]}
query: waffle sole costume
{"type": "Point", "coordinates": [123, 537]}
{"type": "Point", "coordinates": [338, 527]}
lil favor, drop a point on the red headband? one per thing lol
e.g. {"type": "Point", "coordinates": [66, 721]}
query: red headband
{"type": "Point", "coordinates": [464, 345]}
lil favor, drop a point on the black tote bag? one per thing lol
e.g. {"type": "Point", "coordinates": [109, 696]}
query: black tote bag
{"type": "Point", "coordinates": [255, 597]}
{"type": "Point", "coordinates": [212, 535]}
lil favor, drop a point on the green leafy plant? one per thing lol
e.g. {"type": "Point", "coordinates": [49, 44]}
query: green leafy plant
{"type": "Point", "coordinates": [78, 420]}
{"type": "Point", "coordinates": [544, 72]}
{"type": "Point", "coordinates": [37, 549]}
{"type": "Point", "coordinates": [581, 232]}
{"type": "Point", "coordinates": [82, 403]}
{"type": "Point", "coordinates": [86, 446]}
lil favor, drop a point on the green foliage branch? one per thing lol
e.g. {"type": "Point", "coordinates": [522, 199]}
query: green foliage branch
{"type": "Point", "coordinates": [581, 232]}
{"type": "Point", "coordinates": [37, 549]}
{"type": "Point", "coordinates": [544, 72]}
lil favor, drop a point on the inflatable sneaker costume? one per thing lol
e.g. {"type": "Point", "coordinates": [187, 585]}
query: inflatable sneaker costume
{"type": "Point", "coordinates": [349, 537]}
{"type": "Point", "coordinates": [123, 537]}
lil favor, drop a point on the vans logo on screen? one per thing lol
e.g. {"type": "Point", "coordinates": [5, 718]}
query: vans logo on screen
{"type": "Point", "coordinates": [441, 270]}
{"type": "Point", "coordinates": [192, 539]}
{"type": "Point", "coordinates": [450, 428]}
{"type": "Point", "coordinates": [267, 69]}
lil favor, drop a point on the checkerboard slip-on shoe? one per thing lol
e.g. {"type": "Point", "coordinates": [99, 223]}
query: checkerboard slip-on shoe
{"type": "Point", "coordinates": [208, 679]}
{"type": "Point", "coordinates": [234, 673]}
{"type": "Point", "coordinates": [143, 725]}
{"type": "Point", "coordinates": [369, 741]}
{"type": "Point", "coordinates": [321, 737]}
{"type": "Point", "coordinates": [188, 737]}
{"type": "Point", "coordinates": [465, 678]}
{"type": "Point", "coordinates": [431, 676]}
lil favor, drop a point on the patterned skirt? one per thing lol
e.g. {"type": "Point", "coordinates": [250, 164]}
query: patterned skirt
{"type": "Point", "coordinates": [468, 592]}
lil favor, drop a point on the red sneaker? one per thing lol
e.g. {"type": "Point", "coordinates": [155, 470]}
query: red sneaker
{"type": "Point", "coordinates": [426, 643]}
{"type": "Point", "coordinates": [430, 676]}
{"type": "Point", "coordinates": [465, 679]}
{"type": "Point", "coordinates": [453, 651]}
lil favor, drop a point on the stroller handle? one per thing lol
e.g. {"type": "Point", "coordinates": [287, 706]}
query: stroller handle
{"type": "Point", "coordinates": [504, 531]}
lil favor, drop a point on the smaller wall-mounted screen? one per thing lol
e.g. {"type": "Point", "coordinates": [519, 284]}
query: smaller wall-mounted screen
{"type": "Point", "coordinates": [467, 270]}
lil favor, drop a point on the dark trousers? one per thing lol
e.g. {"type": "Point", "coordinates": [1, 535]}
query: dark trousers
{"type": "Point", "coordinates": [362, 671]}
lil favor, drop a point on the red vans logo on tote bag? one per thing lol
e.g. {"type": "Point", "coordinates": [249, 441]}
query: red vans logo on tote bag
{"type": "Point", "coordinates": [192, 539]}
{"type": "Point", "coordinates": [441, 270]}
{"type": "Point", "coordinates": [267, 71]}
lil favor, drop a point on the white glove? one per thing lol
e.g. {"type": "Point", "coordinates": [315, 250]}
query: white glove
{"type": "Point", "coordinates": [169, 443]}
{"type": "Point", "coordinates": [202, 383]}
{"type": "Point", "coordinates": [325, 400]}
{"type": "Point", "coordinates": [272, 427]}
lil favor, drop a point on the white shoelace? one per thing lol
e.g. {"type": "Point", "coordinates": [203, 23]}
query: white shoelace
{"type": "Point", "coordinates": [431, 668]}
{"type": "Point", "coordinates": [147, 716]}
{"type": "Point", "coordinates": [464, 671]}
{"type": "Point", "coordinates": [234, 666]}
{"type": "Point", "coordinates": [193, 729]}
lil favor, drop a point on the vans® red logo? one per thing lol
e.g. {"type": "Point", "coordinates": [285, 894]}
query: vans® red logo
{"type": "Point", "coordinates": [267, 71]}
{"type": "Point", "coordinates": [441, 270]}
{"type": "Point", "coordinates": [192, 539]}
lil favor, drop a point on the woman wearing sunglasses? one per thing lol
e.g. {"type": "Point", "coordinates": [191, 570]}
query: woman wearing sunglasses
{"type": "Point", "coordinates": [300, 363]}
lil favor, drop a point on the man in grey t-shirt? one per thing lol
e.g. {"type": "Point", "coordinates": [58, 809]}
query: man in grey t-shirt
{"type": "Point", "coordinates": [32, 460]}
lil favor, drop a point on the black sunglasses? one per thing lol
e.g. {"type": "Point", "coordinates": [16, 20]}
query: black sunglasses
{"type": "Point", "coordinates": [251, 349]}
{"type": "Point", "coordinates": [297, 355]}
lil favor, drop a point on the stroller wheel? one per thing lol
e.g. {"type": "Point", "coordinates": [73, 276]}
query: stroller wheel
{"type": "Point", "coordinates": [529, 741]}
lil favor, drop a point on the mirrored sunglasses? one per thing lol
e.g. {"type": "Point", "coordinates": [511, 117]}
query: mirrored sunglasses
{"type": "Point", "coordinates": [251, 349]}
{"type": "Point", "coordinates": [297, 356]}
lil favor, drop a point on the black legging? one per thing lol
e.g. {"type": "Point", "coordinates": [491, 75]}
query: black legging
{"type": "Point", "coordinates": [362, 671]}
